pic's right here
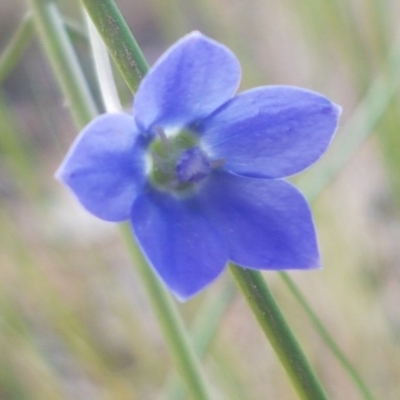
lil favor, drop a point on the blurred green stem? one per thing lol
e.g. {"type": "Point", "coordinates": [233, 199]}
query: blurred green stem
{"type": "Point", "coordinates": [203, 330]}
{"type": "Point", "coordinates": [327, 337]}
{"type": "Point", "coordinates": [13, 52]}
{"type": "Point", "coordinates": [170, 321]}
{"type": "Point", "coordinates": [63, 59]}
{"type": "Point", "coordinates": [19, 41]}
{"type": "Point", "coordinates": [272, 322]}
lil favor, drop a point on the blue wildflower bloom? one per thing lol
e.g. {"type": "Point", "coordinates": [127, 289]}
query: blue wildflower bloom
{"type": "Point", "coordinates": [198, 170]}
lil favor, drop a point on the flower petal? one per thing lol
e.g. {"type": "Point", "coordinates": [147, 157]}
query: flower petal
{"type": "Point", "coordinates": [267, 223]}
{"type": "Point", "coordinates": [105, 166]}
{"type": "Point", "coordinates": [183, 247]}
{"type": "Point", "coordinates": [272, 131]}
{"type": "Point", "coordinates": [192, 79]}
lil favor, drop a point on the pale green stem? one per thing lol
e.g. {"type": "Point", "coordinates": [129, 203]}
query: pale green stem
{"type": "Point", "coordinates": [203, 330]}
{"type": "Point", "coordinates": [323, 332]}
{"type": "Point", "coordinates": [170, 321]}
{"type": "Point", "coordinates": [20, 40]}
{"type": "Point", "coordinates": [13, 52]}
{"type": "Point", "coordinates": [14, 152]}
{"type": "Point", "coordinates": [64, 60]}
{"type": "Point", "coordinates": [74, 28]}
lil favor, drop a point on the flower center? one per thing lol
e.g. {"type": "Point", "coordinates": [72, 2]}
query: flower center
{"type": "Point", "coordinates": [177, 162]}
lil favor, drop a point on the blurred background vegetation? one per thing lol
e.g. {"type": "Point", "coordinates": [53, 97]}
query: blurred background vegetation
{"type": "Point", "coordinates": [75, 322]}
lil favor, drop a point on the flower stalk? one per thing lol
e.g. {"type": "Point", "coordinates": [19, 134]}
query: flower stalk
{"type": "Point", "coordinates": [272, 322]}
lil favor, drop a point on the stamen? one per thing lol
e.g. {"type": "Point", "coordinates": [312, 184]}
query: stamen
{"type": "Point", "coordinates": [163, 137]}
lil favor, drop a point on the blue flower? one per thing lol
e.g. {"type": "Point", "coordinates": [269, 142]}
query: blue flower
{"type": "Point", "coordinates": [198, 170]}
